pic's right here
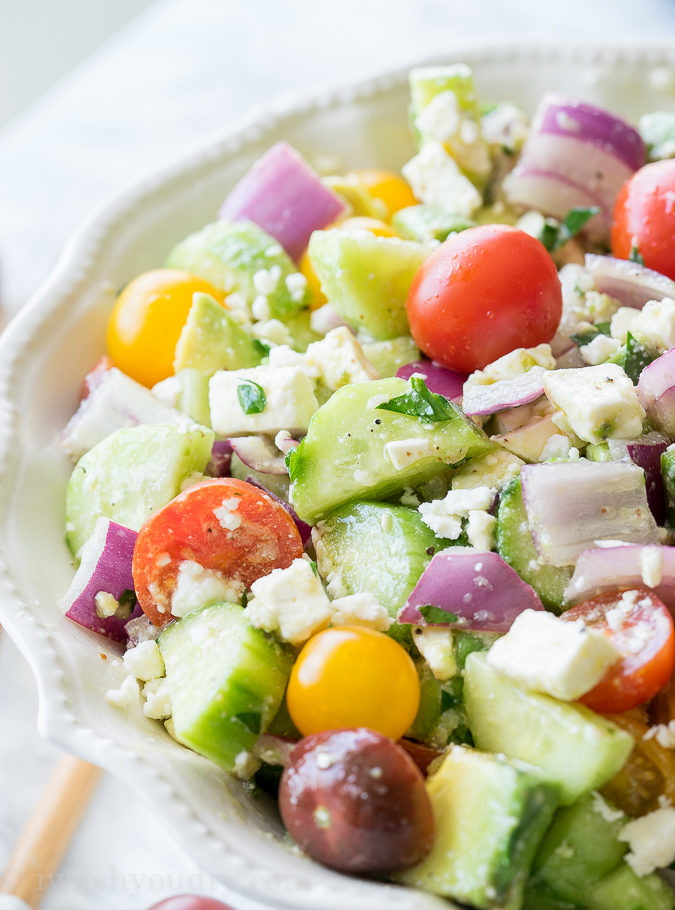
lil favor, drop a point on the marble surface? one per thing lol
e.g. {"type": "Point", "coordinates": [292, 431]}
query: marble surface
{"type": "Point", "coordinates": [179, 72]}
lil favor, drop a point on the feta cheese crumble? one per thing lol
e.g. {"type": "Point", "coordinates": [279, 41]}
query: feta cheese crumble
{"type": "Point", "coordinates": [664, 734]}
{"type": "Point", "coordinates": [157, 704]}
{"type": "Point", "coordinates": [651, 840]}
{"type": "Point", "coordinates": [126, 696]}
{"type": "Point", "coordinates": [338, 359]}
{"type": "Point", "coordinates": [360, 610]}
{"type": "Point", "coordinates": [198, 587]}
{"type": "Point", "coordinates": [436, 647]}
{"type": "Point", "coordinates": [290, 602]}
{"type": "Point", "coordinates": [436, 179]}
{"type": "Point", "coordinates": [144, 661]}
{"type": "Point", "coordinates": [227, 514]}
{"type": "Point", "coordinates": [444, 516]}
{"type": "Point", "coordinates": [404, 452]}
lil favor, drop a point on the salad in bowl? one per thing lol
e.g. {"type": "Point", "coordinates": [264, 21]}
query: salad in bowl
{"type": "Point", "coordinates": [370, 505]}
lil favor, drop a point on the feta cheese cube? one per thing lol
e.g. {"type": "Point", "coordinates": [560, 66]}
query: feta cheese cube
{"type": "Point", "coordinates": [542, 652]}
{"type": "Point", "coordinates": [198, 587]}
{"type": "Point", "coordinates": [157, 699]}
{"type": "Point", "coordinates": [654, 325]}
{"type": "Point", "coordinates": [126, 696]}
{"type": "Point", "coordinates": [480, 529]}
{"type": "Point", "coordinates": [289, 401]}
{"type": "Point", "coordinates": [513, 364]}
{"type": "Point", "coordinates": [444, 516]}
{"type": "Point", "coordinates": [290, 602]}
{"type": "Point", "coordinates": [651, 840]}
{"type": "Point", "coordinates": [599, 349]}
{"type": "Point", "coordinates": [338, 359]}
{"type": "Point", "coordinates": [144, 661]}
{"type": "Point", "coordinates": [360, 610]}
{"type": "Point", "coordinates": [598, 402]}
{"type": "Point", "coordinates": [273, 331]}
{"type": "Point", "coordinates": [437, 180]}
{"type": "Point", "coordinates": [403, 452]}
{"type": "Point", "coordinates": [435, 646]}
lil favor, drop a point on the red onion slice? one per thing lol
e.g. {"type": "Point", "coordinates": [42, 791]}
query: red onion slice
{"type": "Point", "coordinates": [563, 116]}
{"type": "Point", "coordinates": [105, 567]}
{"type": "Point", "coordinates": [629, 282]}
{"type": "Point", "coordinates": [656, 391]}
{"type": "Point", "coordinates": [304, 529]}
{"type": "Point", "coordinates": [506, 393]}
{"type": "Point", "coordinates": [439, 379]}
{"type": "Point", "coordinates": [602, 569]}
{"type": "Point", "coordinates": [284, 196]}
{"type": "Point", "coordinates": [647, 455]}
{"type": "Point", "coordinates": [570, 505]}
{"type": "Point", "coordinates": [478, 590]}
{"type": "Point", "coordinates": [537, 188]}
{"type": "Point", "coordinates": [221, 456]}
{"type": "Point", "coordinates": [259, 453]}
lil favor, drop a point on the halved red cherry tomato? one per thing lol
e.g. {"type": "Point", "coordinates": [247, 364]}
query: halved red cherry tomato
{"type": "Point", "coordinates": [644, 217]}
{"type": "Point", "coordinates": [222, 524]}
{"type": "Point", "coordinates": [641, 628]}
{"type": "Point", "coordinates": [482, 293]}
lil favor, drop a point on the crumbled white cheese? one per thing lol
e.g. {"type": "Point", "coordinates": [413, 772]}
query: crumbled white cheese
{"type": "Point", "coordinates": [651, 840]}
{"type": "Point", "coordinates": [556, 446]}
{"type": "Point", "coordinates": [197, 587]}
{"type": "Point", "coordinates": [296, 285]}
{"type": "Point", "coordinates": [290, 602]}
{"type": "Point", "coordinates": [360, 610]}
{"type": "Point", "coordinates": [444, 516]}
{"type": "Point", "coordinates": [226, 513]}
{"type": "Point", "coordinates": [651, 566]}
{"type": "Point", "coordinates": [442, 120]}
{"type": "Point", "coordinates": [273, 331]}
{"type": "Point", "coordinates": [599, 349]}
{"type": "Point", "coordinates": [436, 179]}
{"type": "Point", "coordinates": [404, 452]}
{"type": "Point", "coordinates": [260, 308]}
{"type": "Point", "coordinates": [542, 652]}
{"type": "Point", "coordinates": [157, 703]}
{"type": "Point", "coordinates": [513, 364]}
{"type": "Point", "coordinates": [480, 529]}
{"type": "Point", "coordinates": [654, 325]}
{"type": "Point", "coordinates": [127, 694]}
{"type": "Point", "coordinates": [338, 359]}
{"type": "Point", "coordinates": [664, 734]}
{"type": "Point", "coordinates": [598, 402]}
{"type": "Point", "coordinates": [604, 810]}
{"type": "Point", "coordinates": [266, 281]}
{"type": "Point", "coordinates": [435, 646]}
{"type": "Point", "coordinates": [144, 661]}
{"type": "Point", "coordinates": [246, 764]}
{"type": "Point", "coordinates": [505, 126]}
{"type": "Point", "coordinates": [106, 605]}
{"type": "Point", "coordinates": [621, 322]}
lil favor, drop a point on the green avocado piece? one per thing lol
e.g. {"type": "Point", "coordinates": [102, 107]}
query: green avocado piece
{"type": "Point", "coordinates": [300, 329]}
{"type": "Point", "coordinates": [130, 474]}
{"type": "Point", "coordinates": [228, 254]}
{"type": "Point", "coordinates": [344, 456]}
{"type": "Point", "coordinates": [367, 278]}
{"type": "Point", "coordinates": [358, 198]}
{"type": "Point", "coordinates": [490, 815]}
{"type": "Point", "coordinates": [193, 397]}
{"type": "Point", "coordinates": [428, 222]}
{"type": "Point", "coordinates": [213, 340]}
{"type": "Point", "coordinates": [573, 747]}
{"type": "Point", "coordinates": [388, 356]}
{"type": "Point", "coordinates": [226, 681]}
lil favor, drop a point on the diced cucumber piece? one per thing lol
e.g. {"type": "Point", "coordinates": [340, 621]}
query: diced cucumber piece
{"type": "Point", "coordinates": [375, 547]}
{"type": "Point", "coordinates": [367, 278]}
{"type": "Point", "coordinates": [226, 681]}
{"type": "Point", "coordinates": [275, 483]}
{"type": "Point", "coordinates": [572, 746]}
{"type": "Point", "coordinates": [624, 890]}
{"type": "Point", "coordinates": [130, 474]}
{"type": "Point", "coordinates": [428, 222]}
{"type": "Point", "coordinates": [516, 546]}
{"type": "Point", "coordinates": [490, 814]}
{"type": "Point", "coordinates": [229, 254]}
{"type": "Point", "coordinates": [193, 398]}
{"type": "Point", "coordinates": [344, 457]}
{"type": "Point", "coordinates": [428, 81]}
{"type": "Point", "coordinates": [579, 848]}
{"type": "Point", "coordinates": [212, 340]}
{"type": "Point", "coordinates": [388, 356]}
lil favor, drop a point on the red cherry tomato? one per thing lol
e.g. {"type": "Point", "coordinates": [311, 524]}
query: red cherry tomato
{"type": "Point", "coordinates": [223, 524]}
{"type": "Point", "coordinates": [641, 628]}
{"type": "Point", "coordinates": [644, 217]}
{"type": "Point", "coordinates": [190, 902]}
{"type": "Point", "coordinates": [482, 293]}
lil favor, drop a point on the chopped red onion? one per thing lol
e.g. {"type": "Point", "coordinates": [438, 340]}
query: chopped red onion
{"type": "Point", "coordinates": [505, 393]}
{"type": "Point", "coordinates": [478, 590]}
{"type": "Point", "coordinates": [538, 188]}
{"type": "Point", "coordinates": [647, 455]}
{"type": "Point", "coordinates": [284, 196]}
{"type": "Point", "coordinates": [656, 391]}
{"type": "Point", "coordinates": [105, 569]}
{"type": "Point", "coordinates": [602, 569]}
{"type": "Point", "coordinates": [221, 456]}
{"type": "Point", "coordinates": [304, 529]}
{"type": "Point", "coordinates": [259, 453]}
{"type": "Point", "coordinates": [629, 282]}
{"type": "Point", "coordinates": [438, 379]}
{"type": "Point", "coordinates": [570, 505]}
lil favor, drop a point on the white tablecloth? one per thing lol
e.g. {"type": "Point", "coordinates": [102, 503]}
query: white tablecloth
{"type": "Point", "coordinates": [179, 72]}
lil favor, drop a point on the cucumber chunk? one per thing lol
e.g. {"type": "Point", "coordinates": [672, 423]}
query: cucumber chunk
{"type": "Point", "coordinates": [572, 746]}
{"type": "Point", "coordinates": [624, 890]}
{"type": "Point", "coordinates": [130, 474]}
{"type": "Point", "coordinates": [388, 356]}
{"type": "Point", "coordinates": [490, 814]}
{"type": "Point", "coordinates": [515, 546]}
{"type": "Point", "coordinates": [428, 222]}
{"type": "Point", "coordinates": [193, 397]}
{"type": "Point", "coordinates": [226, 681]}
{"type": "Point", "coordinates": [344, 455]}
{"type": "Point", "coordinates": [212, 340]}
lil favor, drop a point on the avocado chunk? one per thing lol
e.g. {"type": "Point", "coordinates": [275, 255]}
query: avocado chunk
{"type": "Point", "coordinates": [490, 815]}
{"type": "Point", "coordinates": [367, 278]}
{"type": "Point", "coordinates": [572, 746]}
{"type": "Point", "coordinates": [193, 395]}
{"type": "Point", "coordinates": [516, 546]}
{"type": "Point", "coordinates": [226, 681]}
{"type": "Point", "coordinates": [348, 450]}
{"type": "Point", "coordinates": [231, 254]}
{"type": "Point", "coordinates": [130, 474]}
{"type": "Point", "coordinates": [389, 356]}
{"type": "Point", "coordinates": [212, 340]}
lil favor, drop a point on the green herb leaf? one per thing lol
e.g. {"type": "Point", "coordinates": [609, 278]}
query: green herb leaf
{"type": "Point", "coordinates": [637, 358]}
{"type": "Point", "coordinates": [252, 720]}
{"type": "Point", "coordinates": [554, 236]}
{"type": "Point", "coordinates": [261, 347]}
{"type": "Point", "coordinates": [294, 459]}
{"type": "Point", "coordinates": [583, 338]}
{"type": "Point", "coordinates": [635, 255]}
{"type": "Point", "coordinates": [435, 615]}
{"type": "Point", "coordinates": [421, 403]}
{"type": "Point", "coordinates": [251, 397]}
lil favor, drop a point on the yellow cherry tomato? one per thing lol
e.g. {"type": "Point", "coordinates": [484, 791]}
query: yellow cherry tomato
{"type": "Point", "coordinates": [147, 320]}
{"type": "Point", "coordinates": [352, 676]}
{"type": "Point", "coordinates": [387, 186]}
{"type": "Point", "coordinates": [317, 296]}
{"type": "Point", "coordinates": [363, 223]}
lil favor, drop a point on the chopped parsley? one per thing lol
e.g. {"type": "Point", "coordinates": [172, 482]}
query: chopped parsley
{"type": "Point", "coordinates": [419, 402]}
{"type": "Point", "coordinates": [251, 397]}
{"type": "Point", "coordinates": [554, 234]}
{"type": "Point", "coordinates": [436, 615]}
{"type": "Point", "coordinates": [635, 255]}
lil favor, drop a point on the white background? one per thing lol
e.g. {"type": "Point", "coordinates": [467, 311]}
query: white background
{"type": "Point", "coordinates": [152, 88]}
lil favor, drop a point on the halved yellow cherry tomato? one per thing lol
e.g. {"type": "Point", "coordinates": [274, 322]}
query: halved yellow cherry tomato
{"type": "Point", "coordinates": [387, 186]}
{"type": "Point", "coordinates": [352, 676]}
{"type": "Point", "coordinates": [317, 296]}
{"type": "Point", "coordinates": [363, 223]}
{"type": "Point", "coordinates": [147, 320]}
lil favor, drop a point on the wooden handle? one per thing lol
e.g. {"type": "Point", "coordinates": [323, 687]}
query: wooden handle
{"type": "Point", "coordinates": [49, 830]}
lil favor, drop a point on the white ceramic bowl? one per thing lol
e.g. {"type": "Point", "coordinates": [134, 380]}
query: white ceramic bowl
{"type": "Point", "coordinates": [47, 349]}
